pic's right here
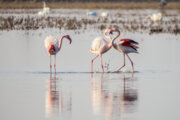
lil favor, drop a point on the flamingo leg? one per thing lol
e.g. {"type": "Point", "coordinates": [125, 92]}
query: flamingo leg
{"type": "Point", "coordinates": [123, 63]}
{"type": "Point", "coordinates": [55, 63]}
{"type": "Point", "coordinates": [92, 62]}
{"type": "Point", "coordinates": [131, 62]}
{"type": "Point", "coordinates": [50, 63]}
{"type": "Point", "coordinates": [101, 63]}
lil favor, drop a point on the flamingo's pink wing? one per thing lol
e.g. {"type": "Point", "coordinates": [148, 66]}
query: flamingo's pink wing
{"type": "Point", "coordinates": [125, 42]}
{"type": "Point", "coordinates": [128, 42]}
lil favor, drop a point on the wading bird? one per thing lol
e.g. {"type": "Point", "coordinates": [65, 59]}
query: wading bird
{"type": "Point", "coordinates": [99, 47]}
{"type": "Point", "coordinates": [163, 3]}
{"type": "Point", "coordinates": [92, 13]}
{"type": "Point", "coordinates": [53, 46]}
{"type": "Point", "coordinates": [125, 46]}
{"type": "Point", "coordinates": [45, 10]}
{"type": "Point", "coordinates": [104, 14]}
{"type": "Point", "coordinates": [156, 17]}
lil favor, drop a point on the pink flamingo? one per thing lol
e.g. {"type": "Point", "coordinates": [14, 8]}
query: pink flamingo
{"type": "Point", "coordinates": [99, 47]}
{"type": "Point", "coordinates": [125, 46]}
{"type": "Point", "coordinates": [53, 46]}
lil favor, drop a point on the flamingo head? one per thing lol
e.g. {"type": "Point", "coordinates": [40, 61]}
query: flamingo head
{"type": "Point", "coordinates": [69, 38]}
{"type": "Point", "coordinates": [110, 31]}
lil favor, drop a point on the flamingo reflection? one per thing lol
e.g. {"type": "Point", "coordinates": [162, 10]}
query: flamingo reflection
{"type": "Point", "coordinates": [97, 94]}
{"type": "Point", "coordinates": [58, 99]}
{"type": "Point", "coordinates": [113, 97]}
{"type": "Point", "coordinates": [52, 97]}
{"type": "Point", "coordinates": [130, 94]}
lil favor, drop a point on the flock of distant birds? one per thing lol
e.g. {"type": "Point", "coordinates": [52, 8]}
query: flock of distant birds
{"type": "Point", "coordinates": [99, 45]}
{"type": "Point", "coordinates": [155, 17]}
{"type": "Point", "coordinates": [46, 10]}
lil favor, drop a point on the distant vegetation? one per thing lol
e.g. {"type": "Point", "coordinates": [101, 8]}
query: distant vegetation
{"type": "Point", "coordinates": [87, 0]}
{"type": "Point", "coordinates": [86, 5]}
{"type": "Point", "coordinates": [139, 22]}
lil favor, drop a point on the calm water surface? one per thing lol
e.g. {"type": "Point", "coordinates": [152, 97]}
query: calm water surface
{"type": "Point", "coordinates": [28, 91]}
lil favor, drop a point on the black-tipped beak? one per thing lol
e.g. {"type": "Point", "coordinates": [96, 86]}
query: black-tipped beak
{"type": "Point", "coordinates": [111, 32]}
{"type": "Point", "coordinates": [69, 38]}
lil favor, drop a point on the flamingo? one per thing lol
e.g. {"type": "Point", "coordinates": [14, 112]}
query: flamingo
{"type": "Point", "coordinates": [99, 47]}
{"type": "Point", "coordinates": [53, 46]}
{"type": "Point", "coordinates": [45, 10]}
{"type": "Point", "coordinates": [124, 46]}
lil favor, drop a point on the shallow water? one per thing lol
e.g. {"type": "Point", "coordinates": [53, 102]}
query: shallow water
{"type": "Point", "coordinates": [28, 91]}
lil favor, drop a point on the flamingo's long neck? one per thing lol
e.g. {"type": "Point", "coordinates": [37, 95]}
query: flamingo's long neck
{"type": "Point", "coordinates": [112, 42]}
{"type": "Point", "coordinates": [108, 37]}
{"type": "Point", "coordinates": [44, 5]}
{"type": "Point", "coordinates": [60, 42]}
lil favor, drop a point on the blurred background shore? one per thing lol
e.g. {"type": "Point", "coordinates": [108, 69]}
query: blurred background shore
{"type": "Point", "coordinates": [73, 4]}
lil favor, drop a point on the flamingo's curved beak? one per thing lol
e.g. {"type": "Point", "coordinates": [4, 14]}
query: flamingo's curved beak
{"type": "Point", "coordinates": [111, 31]}
{"type": "Point", "coordinates": [69, 38]}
